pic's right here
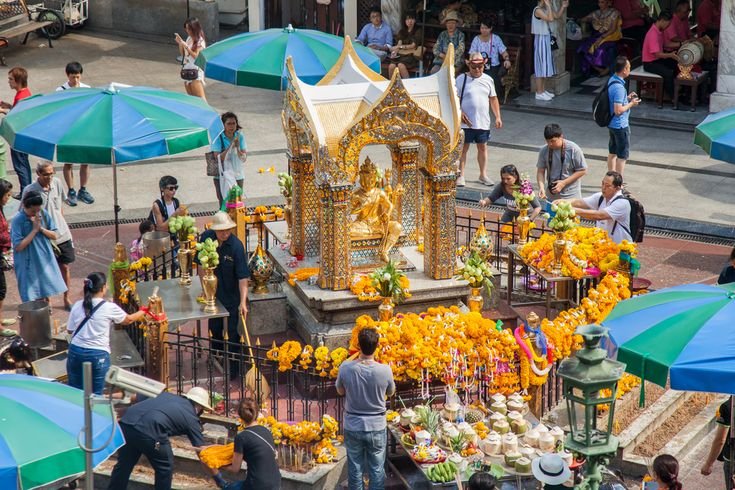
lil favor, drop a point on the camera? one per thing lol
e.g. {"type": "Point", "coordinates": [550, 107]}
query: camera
{"type": "Point", "coordinates": [133, 383]}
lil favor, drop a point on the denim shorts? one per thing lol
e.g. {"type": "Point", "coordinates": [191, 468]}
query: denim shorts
{"type": "Point", "coordinates": [100, 365]}
{"type": "Point", "coordinates": [479, 136]}
{"type": "Point", "coordinates": [619, 144]}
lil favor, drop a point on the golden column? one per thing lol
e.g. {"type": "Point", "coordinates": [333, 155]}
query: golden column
{"type": "Point", "coordinates": [439, 233]}
{"type": "Point", "coordinates": [334, 216]}
{"type": "Point", "coordinates": [405, 156]}
{"type": "Point", "coordinates": [156, 358]}
{"type": "Point", "coordinates": [304, 228]}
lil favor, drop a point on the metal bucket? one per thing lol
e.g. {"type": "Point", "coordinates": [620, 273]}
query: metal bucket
{"type": "Point", "coordinates": [35, 323]}
{"type": "Point", "coordinates": [156, 243]}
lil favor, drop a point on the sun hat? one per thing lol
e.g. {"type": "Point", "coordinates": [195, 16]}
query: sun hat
{"type": "Point", "coordinates": [222, 221]}
{"type": "Point", "coordinates": [550, 468]}
{"type": "Point", "coordinates": [199, 396]}
{"type": "Point", "coordinates": [452, 15]}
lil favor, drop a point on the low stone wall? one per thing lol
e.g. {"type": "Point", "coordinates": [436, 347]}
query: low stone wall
{"type": "Point", "coordinates": [159, 18]}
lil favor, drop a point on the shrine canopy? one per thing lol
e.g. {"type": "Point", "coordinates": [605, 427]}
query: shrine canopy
{"type": "Point", "coordinates": [337, 111]}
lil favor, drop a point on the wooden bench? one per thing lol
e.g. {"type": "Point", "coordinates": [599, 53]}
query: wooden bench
{"type": "Point", "coordinates": [644, 80]}
{"type": "Point", "coordinates": [16, 20]}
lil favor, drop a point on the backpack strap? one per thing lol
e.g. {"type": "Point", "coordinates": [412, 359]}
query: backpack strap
{"type": "Point", "coordinates": [461, 93]}
{"type": "Point", "coordinates": [615, 222]}
{"type": "Point", "coordinates": [86, 319]}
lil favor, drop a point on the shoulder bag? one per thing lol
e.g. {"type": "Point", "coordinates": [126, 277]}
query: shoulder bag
{"type": "Point", "coordinates": [188, 74]}
{"type": "Point", "coordinates": [275, 453]}
{"type": "Point", "coordinates": [213, 161]}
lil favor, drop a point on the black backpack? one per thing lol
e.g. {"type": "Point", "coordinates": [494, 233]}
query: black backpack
{"type": "Point", "coordinates": [162, 209]}
{"type": "Point", "coordinates": [637, 216]}
{"type": "Point", "coordinates": [601, 105]}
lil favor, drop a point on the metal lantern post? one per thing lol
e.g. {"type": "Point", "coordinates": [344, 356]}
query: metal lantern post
{"type": "Point", "coordinates": [584, 377]}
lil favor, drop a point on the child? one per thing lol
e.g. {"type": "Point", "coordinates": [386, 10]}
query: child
{"type": "Point", "coordinates": [136, 246]}
{"type": "Point", "coordinates": [74, 72]}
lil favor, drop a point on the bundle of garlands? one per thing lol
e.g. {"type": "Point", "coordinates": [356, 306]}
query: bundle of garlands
{"type": "Point", "coordinates": [321, 437]}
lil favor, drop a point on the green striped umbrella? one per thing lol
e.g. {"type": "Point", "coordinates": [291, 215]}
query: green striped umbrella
{"type": "Point", "coordinates": [40, 422]}
{"type": "Point", "coordinates": [110, 126]}
{"type": "Point", "coordinates": [258, 59]}
{"type": "Point", "coordinates": [716, 135]}
{"type": "Point", "coordinates": [683, 335]}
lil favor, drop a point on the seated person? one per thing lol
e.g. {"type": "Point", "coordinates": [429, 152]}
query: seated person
{"type": "Point", "coordinates": [599, 50]}
{"type": "Point", "coordinates": [492, 49]}
{"type": "Point", "coordinates": [376, 35]}
{"type": "Point", "coordinates": [655, 58]}
{"type": "Point", "coordinates": [678, 31]}
{"type": "Point", "coordinates": [403, 54]}
{"type": "Point", "coordinates": [708, 18]}
{"type": "Point", "coordinates": [451, 35]}
{"type": "Point", "coordinates": [634, 17]}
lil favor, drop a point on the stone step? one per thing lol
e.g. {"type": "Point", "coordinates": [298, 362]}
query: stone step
{"type": "Point", "coordinates": [695, 431]}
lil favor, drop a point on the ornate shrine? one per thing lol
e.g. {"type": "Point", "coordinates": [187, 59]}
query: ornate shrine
{"type": "Point", "coordinates": [328, 125]}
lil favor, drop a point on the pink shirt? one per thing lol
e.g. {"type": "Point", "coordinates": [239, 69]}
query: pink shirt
{"type": "Point", "coordinates": [626, 9]}
{"type": "Point", "coordinates": [652, 44]}
{"type": "Point", "coordinates": [708, 17]}
{"type": "Point", "coordinates": [679, 28]}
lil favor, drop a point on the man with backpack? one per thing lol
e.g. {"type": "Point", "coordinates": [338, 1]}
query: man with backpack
{"type": "Point", "coordinates": [610, 208]}
{"type": "Point", "coordinates": [620, 103]}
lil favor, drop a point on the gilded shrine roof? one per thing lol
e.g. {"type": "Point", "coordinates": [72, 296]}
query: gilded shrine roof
{"type": "Point", "coordinates": [350, 91]}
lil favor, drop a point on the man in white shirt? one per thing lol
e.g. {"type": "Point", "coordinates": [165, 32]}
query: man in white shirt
{"type": "Point", "coordinates": [74, 72]}
{"type": "Point", "coordinates": [609, 207]}
{"type": "Point", "coordinates": [476, 97]}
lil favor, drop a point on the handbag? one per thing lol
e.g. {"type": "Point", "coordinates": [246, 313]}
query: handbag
{"type": "Point", "coordinates": [188, 72]}
{"type": "Point", "coordinates": [553, 41]}
{"type": "Point", "coordinates": [6, 261]}
{"type": "Point", "coordinates": [213, 161]}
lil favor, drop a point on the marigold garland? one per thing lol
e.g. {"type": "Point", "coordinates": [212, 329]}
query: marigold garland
{"type": "Point", "coordinates": [302, 274]}
{"type": "Point", "coordinates": [586, 248]}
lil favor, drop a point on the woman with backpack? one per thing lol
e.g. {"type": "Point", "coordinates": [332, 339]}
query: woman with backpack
{"type": "Point", "coordinates": [89, 325]}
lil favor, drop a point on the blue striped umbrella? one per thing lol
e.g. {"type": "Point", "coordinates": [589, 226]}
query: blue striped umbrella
{"type": "Point", "coordinates": [40, 424]}
{"type": "Point", "coordinates": [716, 135]}
{"type": "Point", "coordinates": [258, 59]}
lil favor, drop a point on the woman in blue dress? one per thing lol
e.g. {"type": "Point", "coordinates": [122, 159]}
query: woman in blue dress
{"type": "Point", "coordinates": [31, 233]}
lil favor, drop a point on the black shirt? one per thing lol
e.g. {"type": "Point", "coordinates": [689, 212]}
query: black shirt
{"type": "Point", "coordinates": [233, 266]}
{"type": "Point", "coordinates": [263, 473]}
{"type": "Point", "coordinates": [727, 275]}
{"type": "Point", "coordinates": [164, 416]}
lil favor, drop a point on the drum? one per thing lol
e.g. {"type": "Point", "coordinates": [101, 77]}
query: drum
{"type": "Point", "coordinates": [690, 53]}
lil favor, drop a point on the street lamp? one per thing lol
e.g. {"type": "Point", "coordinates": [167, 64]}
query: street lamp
{"type": "Point", "coordinates": [585, 376]}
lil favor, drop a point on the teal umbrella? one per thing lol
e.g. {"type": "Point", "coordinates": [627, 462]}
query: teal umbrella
{"type": "Point", "coordinates": [40, 423]}
{"type": "Point", "coordinates": [716, 135]}
{"type": "Point", "coordinates": [110, 126]}
{"type": "Point", "coordinates": [258, 59]}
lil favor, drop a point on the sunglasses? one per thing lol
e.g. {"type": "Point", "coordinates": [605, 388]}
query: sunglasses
{"type": "Point", "coordinates": [173, 187]}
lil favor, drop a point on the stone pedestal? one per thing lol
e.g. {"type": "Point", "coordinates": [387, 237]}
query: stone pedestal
{"type": "Point", "coordinates": [724, 97]}
{"type": "Point", "coordinates": [557, 85]}
{"type": "Point", "coordinates": [268, 314]}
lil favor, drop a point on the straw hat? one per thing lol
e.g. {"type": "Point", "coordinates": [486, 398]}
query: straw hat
{"type": "Point", "coordinates": [551, 469]}
{"type": "Point", "coordinates": [452, 15]}
{"type": "Point", "coordinates": [222, 221]}
{"type": "Point", "coordinates": [200, 397]}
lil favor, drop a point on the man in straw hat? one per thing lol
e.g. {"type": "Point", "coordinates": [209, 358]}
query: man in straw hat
{"type": "Point", "coordinates": [551, 470]}
{"type": "Point", "coordinates": [147, 427]}
{"type": "Point", "coordinates": [232, 285]}
{"type": "Point", "coordinates": [452, 35]}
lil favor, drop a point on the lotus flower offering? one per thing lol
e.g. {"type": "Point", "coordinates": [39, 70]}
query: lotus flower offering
{"type": "Point", "coordinates": [524, 195]}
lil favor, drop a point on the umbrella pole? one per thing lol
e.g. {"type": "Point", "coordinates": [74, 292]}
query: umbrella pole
{"type": "Point", "coordinates": [116, 208]}
{"type": "Point", "coordinates": [88, 464]}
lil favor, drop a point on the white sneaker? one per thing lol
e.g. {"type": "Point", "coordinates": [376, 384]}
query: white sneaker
{"type": "Point", "coordinates": [549, 94]}
{"type": "Point", "coordinates": [543, 96]}
{"type": "Point", "coordinates": [486, 181]}
{"type": "Point", "coordinates": [460, 181]}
